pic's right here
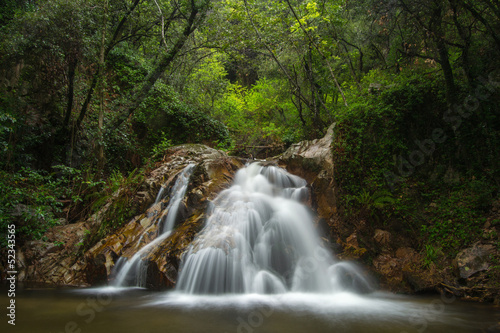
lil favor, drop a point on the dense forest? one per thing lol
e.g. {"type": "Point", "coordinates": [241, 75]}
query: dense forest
{"type": "Point", "coordinates": [93, 92]}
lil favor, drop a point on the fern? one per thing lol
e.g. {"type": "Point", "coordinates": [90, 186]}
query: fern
{"type": "Point", "coordinates": [374, 202]}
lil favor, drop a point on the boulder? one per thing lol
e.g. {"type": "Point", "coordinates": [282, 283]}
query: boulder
{"type": "Point", "coordinates": [474, 259]}
{"type": "Point", "coordinates": [313, 161]}
{"type": "Point", "coordinates": [419, 282]}
{"type": "Point", "coordinates": [382, 237]}
{"type": "Point", "coordinates": [386, 265]}
{"type": "Point", "coordinates": [53, 260]}
{"type": "Point", "coordinates": [400, 271]}
{"type": "Point", "coordinates": [313, 155]}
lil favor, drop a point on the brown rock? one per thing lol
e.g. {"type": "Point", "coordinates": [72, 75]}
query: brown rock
{"type": "Point", "coordinates": [418, 282]}
{"type": "Point", "coordinates": [407, 254]}
{"type": "Point", "coordinates": [474, 259]}
{"type": "Point", "coordinates": [382, 237]}
{"type": "Point", "coordinates": [386, 265]}
{"type": "Point", "coordinates": [95, 270]}
{"type": "Point", "coordinates": [213, 172]}
{"type": "Point", "coordinates": [318, 153]}
{"type": "Point", "coordinates": [313, 161]}
{"type": "Point", "coordinates": [352, 241]}
{"type": "Point", "coordinates": [56, 264]}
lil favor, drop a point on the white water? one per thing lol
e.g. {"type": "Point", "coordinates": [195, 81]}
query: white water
{"type": "Point", "coordinates": [133, 271]}
{"type": "Point", "coordinates": [259, 238]}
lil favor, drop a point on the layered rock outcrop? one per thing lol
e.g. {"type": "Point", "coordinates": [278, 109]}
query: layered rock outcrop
{"type": "Point", "coordinates": [386, 253]}
{"type": "Point", "coordinates": [55, 261]}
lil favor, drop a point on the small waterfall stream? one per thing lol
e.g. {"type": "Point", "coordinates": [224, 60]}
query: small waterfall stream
{"type": "Point", "coordinates": [133, 271]}
{"type": "Point", "coordinates": [258, 265]}
{"type": "Point", "coordinates": [259, 238]}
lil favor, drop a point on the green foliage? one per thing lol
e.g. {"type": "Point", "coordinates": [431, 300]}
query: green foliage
{"type": "Point", "coordinates": [127, 67]}
{"type": "Point", "coordinates": [208, 80]}
{"type": "Point", "coordinates": [454, 219]}
{"type": "Point", "coordinates": [431, 254]}
{"type": "Point", "coordinates": [164, 117]}
{"type": "Point", "coordinates": [36, 200]}
{"type": "Point", "coordinates": [7, 123]}
{"type": "Point", "coordinates": [383, 126]}
{"type": "Point", "coordinates": [58, 243]}
{"type": "Point", "coordinates": [376, 200]}
{"type": "Point", "coordinates": [253, 73]}
{"type": "Point", "coordinates": [119, 191]}
{"type": "Point", "coordinates": [30, 199]}
{"type": "Point", "coordinates": [159, 150]}
{"type": "Point", "coordinates": [372, 205]}
{"type": "Point", "coordinates": [367, 137]}
{"type": "Point", "coordinates": [259, 115]}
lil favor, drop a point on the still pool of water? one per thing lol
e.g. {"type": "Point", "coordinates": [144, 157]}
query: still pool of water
{"type": "Point", "coordinates": [139, 310]}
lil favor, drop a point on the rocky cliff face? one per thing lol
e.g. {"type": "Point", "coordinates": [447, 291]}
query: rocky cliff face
{"type": "Point", "coordinates": [389, 256]}
{"type": "Point", "coordinates": [46, 262]}
{"type": "Point", "coordinates": [387, 253]}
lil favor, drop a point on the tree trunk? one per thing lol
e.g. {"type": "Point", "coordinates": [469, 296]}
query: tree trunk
{"type": "Point", "coordinates": [339, 88]}
{"type": "Point", "coordinates": [142, 92]}
{"type": "Point", "coordinates": [71, 89]}
{"type": "Point", "coordinates": [100, 129]}
{"type": "Point", "coordinates": [93, 84]}
{"type": "Point", "coordinates": [444, 57]}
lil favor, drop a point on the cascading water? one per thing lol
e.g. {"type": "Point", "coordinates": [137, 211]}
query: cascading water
{"type": "Point", "coordinates": [133, 271]}
{"type": "Point", "coordinates": [258, 266]}
{"type": "Point", "coordinates": [260, 238]}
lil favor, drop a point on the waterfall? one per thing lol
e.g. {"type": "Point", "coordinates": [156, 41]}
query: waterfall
{"type": "Point", "coordinates": [260, 238]}
{"type": "Point", "coordinates": [133, 271]}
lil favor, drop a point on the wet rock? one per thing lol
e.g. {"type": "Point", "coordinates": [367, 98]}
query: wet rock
{"type": "Point", "coordinates": [390, 272]}
{"type": "Point", "coordinates": [313, 161]}
{"type": "Point", "coordinates": [145, 199]}
{"type": "Point", "coordinates": [50, 263]}
{"type": "Point", "coordinates": [419, 283]}
{"type": "Point", "coordinates": [167, 255]}
{"type": "Point", "coordinates": [351, 248]}
{"type": "Point", "coordinates": [385, 265]}
{"type": "Point", "coordinates": [146, 222]}
{"type": "Point", "coordinates": [213, 172]}
{"type": "Point", "coordinates": [95, 270]}
{"type": "Point", "coordinates": [396, 270]}
{"type": "Point", "coordinates": [315, 155]}
{"type": "Point", "coordinates": [156, 279]}
{"type": "Point", "coordinates": [56, 262]}
{"type": "Point", "coordinates": [69, 234]}
{"type": "Point", "coordinates": [474, 259]}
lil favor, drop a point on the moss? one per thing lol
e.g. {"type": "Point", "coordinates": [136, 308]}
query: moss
{"type": "Point", "coordinates": [123, 205]}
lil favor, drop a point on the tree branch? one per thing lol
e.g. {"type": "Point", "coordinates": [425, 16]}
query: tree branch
{"type": "Point", "coordinates": [339, 88]}
{"type": "Point", "coordinates": [142, 92]}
